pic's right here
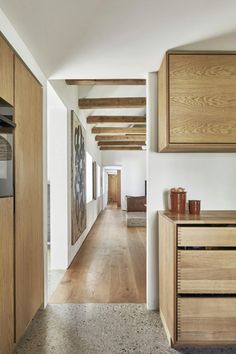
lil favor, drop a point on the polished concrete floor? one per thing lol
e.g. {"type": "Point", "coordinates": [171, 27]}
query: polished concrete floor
{"type": "Point", "coordinates": [100, 329]}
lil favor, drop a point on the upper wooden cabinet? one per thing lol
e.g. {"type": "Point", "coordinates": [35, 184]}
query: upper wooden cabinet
{"type": "Point", "coordinates": [197, 102]}
{"type": "Point", "coordinates": [6, 71]}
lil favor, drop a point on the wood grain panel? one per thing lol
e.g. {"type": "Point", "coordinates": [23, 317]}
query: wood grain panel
{"type": "Point", "coordinates": [207, 320]}
{"type": "Point", "coordinates": [202, 93]}
{"type": "Point", "coordinates": [167, 275]}
{"type": "Point", "coordinates": [28, 197]}
{"type": "Point", "coordinates": [6, 71]}
{"type": "Point", "coordinates": [207, 236]}
{"type": "Point", "coordinates": [6, 276]}
{"type": "Point", "coordinates": [208, 271]}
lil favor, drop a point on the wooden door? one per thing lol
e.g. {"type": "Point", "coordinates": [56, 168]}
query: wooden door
{"type": "Point", "coordinates": [112, 188]}
{"type": "Point", "coordinates": [6, 72]}
{"type": "Point", "coordinates": [28, 197]}
{"type": "Point", "coordinates": [6, 276]}
{"type": "Point", "coordinates": [119, 188]}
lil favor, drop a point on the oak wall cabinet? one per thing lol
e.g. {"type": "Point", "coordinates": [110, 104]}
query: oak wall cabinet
{"type": "Point", "coordinates": [6, 276]}
{"type": "Point", "coordinates": [28, 197]}
{"type": "Point", "coordinates": [197, 102]}
{"type": "Point", "coordinates": [197, 273]}
{"type": "Point", "coordinates": [6, 72]}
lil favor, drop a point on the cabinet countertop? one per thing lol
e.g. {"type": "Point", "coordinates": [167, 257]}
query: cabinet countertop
{"type": "Point", "coordinates": [206, 217]}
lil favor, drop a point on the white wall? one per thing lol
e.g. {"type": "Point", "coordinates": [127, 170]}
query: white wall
{"type": "Point", "coordinates": [133, 174]}
{"type": "Point", "coordinates": [210, 177]}
{"type": "Point", "coordinates": [69, 96]}
{"type": "Point", "coordinates": [58, 179]}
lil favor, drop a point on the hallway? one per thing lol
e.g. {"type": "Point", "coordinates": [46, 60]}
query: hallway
{"type": "Point", "coordinates": [110, 267]}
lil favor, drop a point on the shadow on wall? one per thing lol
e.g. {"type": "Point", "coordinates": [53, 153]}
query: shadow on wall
{"type": "Point", "coordinates": [222, 42]}
{"type": "Point", "coordinates": [166, 199]}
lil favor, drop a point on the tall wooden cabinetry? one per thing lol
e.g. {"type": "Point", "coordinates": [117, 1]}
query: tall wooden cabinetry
{"type": "Point", "coordinates": [28, 197]}
{"type": "Point", "coordinates": [6, 276]}
{"type": "Point", "coordinates": [6, 72]}
{"type": "Point", "coordinates": [197, 278]}
{"type": "Point", "coordinates": [196, 100]}
{"type": "Point", "coordinates": [21, 217]}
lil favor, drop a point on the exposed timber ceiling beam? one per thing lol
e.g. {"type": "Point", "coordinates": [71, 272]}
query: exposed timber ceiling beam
{"type": "Point", "coordinates": [106, 82]}
{"type": "Point", "coordinates": [121, 148]}
{"type": "Point", "coordinates": [112, 102]}
{"type": "Point", "coordinates": [115, 130]}
{"type": "Point", "coordinates": [120, 143]}
{"type": "Point", "coordinates": [116, 119]}
{"type": "Point", "coordinates": [120, 137]}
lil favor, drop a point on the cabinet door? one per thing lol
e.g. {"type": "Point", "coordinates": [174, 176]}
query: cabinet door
{"type": "Point", "coordinates": [202, 98]}
{"type": "Point", "coordinates": [6, 276]}
{"type": "Point", "coordinates": [6, 72]}
{"type": "Point", "coordinates": [28, 197]}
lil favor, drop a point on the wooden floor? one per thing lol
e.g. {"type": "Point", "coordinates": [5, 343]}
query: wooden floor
{"type": "Point", "coordinates": [110, 267]}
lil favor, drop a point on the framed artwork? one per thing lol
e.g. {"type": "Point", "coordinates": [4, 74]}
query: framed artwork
{"type": "Point", "coordinates": [94, 180]}
{"type": "Point", "coordinates": [78, 179]}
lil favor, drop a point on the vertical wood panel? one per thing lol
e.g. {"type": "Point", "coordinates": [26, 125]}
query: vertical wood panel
{"type": "Point", "coordinates": [6, 71]}
{"type": "Point", "coordinates": [28, 197]}
{"type": "Point", "coordinates": [167, 275]}
{"type": "Point", "coordinates": [163, 129]}
{"type": "Point", "coordinates": [6, 276]}
{"type": "Point", "coordinates": [118, 188]}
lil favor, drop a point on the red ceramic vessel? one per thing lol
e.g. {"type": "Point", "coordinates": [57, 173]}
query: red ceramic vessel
{"type": "Point", "coordinates": [194, 207]}
{"type": "Point", "coordinates": [178, 202]}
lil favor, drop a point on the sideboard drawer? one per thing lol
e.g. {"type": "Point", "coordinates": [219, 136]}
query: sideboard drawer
{"type": "Point", "coordinates": [207, 236]}
{"type": "Point", "coordinates": [206, 319]}
{"type": "Point", "coordinates": [207, 271]}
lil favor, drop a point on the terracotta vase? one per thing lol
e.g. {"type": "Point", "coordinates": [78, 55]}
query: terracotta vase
{"type": "Point", "coordinates": [178, 202]}
{"type": "Point", "coordinates": [194, 207]}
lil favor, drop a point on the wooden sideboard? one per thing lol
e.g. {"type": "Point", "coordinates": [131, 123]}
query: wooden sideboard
{"type": "Point", "coordinates": [196, 102]}
{"type": "Point", "coordinates": [197, 274]}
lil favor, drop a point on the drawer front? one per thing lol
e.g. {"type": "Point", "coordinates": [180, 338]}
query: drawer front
{"type": "Point", "coordinates": [207, 271]}
{"type": "Point", "coordinates": [206, 320]}
{"type": "Point", "coordinates": [207, 236]}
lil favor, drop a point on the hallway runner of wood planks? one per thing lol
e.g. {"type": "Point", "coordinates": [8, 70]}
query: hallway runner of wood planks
{"type": "Point", "coordinates": [110, 267]}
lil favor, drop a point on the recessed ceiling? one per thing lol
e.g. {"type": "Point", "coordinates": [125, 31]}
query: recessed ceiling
{"type": "Point", "coordinates": [113, 38]}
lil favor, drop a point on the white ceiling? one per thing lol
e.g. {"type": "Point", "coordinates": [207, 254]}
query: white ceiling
{"type": "Point", "coordinates": [113, 38]}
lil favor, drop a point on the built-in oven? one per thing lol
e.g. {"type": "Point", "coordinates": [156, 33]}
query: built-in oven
{"type": "Point", "coordinates": [6, 151]}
